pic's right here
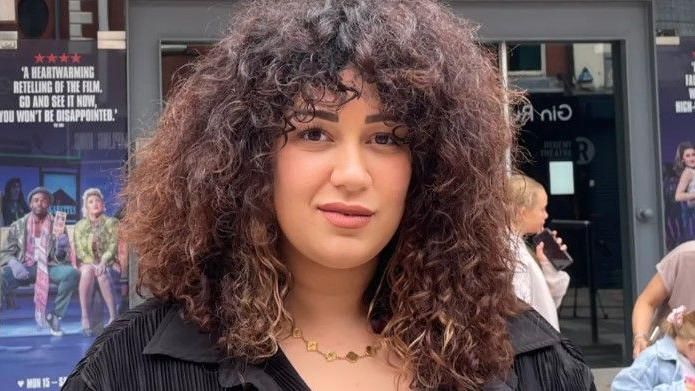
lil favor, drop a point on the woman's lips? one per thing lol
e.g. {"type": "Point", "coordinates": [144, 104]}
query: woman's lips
{"type": "Point", "coordinates": [346, 221]}
{"type": "Point", "coordinates": [346, 216]}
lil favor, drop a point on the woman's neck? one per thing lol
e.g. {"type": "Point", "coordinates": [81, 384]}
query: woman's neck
{"type": "Point", "coordinates": [94, 217]}
{"type": "Point", "coordinates": [517, 230]}
{"type": "Point", "coordinates": [326, 296]}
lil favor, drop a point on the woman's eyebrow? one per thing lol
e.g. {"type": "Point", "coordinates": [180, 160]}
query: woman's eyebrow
{"type": "Point", "coordinates": [333, 117]}
{"type": "Point", "coordinates": [379, 117]}
{"type": "Point", "coordinates": [325, 115]}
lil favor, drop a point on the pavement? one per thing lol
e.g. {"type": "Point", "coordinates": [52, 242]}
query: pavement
{"type": "Point", "coordinates": [606, 356]}
{"type": "Point", "coordinates": [603, 377]}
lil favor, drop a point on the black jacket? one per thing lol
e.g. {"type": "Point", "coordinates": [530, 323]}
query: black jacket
{"type": "Point", "coordinates": [152, 348]}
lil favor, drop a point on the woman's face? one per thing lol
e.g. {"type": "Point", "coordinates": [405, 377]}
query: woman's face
{"type": "Point", "coordinates": [95, 206]}
{"type": "Point", "coordinates": [341, 183]}
{"type": "Point", "coordinates": [689, 157]}
{"type": "Point", "coordinates": [532, 219]}
{"type": "Point", "coordinates": [15, 189]}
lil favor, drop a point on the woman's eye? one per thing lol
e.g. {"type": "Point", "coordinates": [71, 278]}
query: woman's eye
{"type": "Point", "coordinates": [313, 135]}
{"type": "Point", "coordinates": [384, 139]}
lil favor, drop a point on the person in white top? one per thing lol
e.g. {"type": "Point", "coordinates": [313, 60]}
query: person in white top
{"type": "Point", "coordinates": [536, 281]}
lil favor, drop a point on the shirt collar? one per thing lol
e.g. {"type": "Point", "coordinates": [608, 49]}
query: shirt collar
{"type": "Point", "coordinates": [666, 349]}
{"type": "Point", "coordinates": [183, 340]}
{"type": "Point", "coordinates": [528, 331]}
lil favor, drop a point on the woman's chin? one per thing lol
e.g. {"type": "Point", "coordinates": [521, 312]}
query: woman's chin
{"type": "Point", "coordinates": [343, 260]}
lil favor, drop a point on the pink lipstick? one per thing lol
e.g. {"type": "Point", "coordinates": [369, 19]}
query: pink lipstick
{"type": "Point", "coordinates": [346, 216]}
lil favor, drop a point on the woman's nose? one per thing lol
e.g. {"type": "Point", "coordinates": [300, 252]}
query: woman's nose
{"type": "Point", "coordinates": [350, 170]}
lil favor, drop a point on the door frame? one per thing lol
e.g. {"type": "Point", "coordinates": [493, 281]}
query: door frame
{"type": "Point", "coordinates": [630, 24]}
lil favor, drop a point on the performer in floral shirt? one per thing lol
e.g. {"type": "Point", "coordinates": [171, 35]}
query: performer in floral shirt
{"type": "Point", "coordinates": [96, 246]}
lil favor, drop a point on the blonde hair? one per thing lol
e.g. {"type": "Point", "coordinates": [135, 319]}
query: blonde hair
{"type": "Point", "coordinates": [685, 330]}
{"type": "Point", "coordinates": [523, 191]}
{"type": "Point", "coordinates": [92, 191]}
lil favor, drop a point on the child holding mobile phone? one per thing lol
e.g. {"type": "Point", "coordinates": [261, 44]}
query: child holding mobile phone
{"type": "Point", "coordinates": [535, 281]}
{"type": "Point", "coordinates": [668, 364]}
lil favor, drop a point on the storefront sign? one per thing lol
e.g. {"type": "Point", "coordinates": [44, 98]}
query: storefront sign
{"type": "Point", "coordinates": [555, 113]}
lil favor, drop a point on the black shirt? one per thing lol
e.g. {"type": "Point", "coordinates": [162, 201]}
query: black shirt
{"type": "Point", "coordinates": [151, 347]}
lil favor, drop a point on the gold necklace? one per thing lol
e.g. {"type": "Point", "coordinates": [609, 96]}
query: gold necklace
{"type": "Point", "coordinates": [351, 357]}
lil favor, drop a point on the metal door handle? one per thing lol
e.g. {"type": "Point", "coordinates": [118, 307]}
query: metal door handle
{"type": "Point", "coordinates": [645, 214]}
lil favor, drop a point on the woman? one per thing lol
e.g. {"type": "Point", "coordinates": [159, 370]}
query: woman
{"type": "Point", "coordinates": [14, 206]}
{"type": "Point", "coordinates": [671, 287]}
{"type": "Point", "coordinates": [319, 208]}
{"type": "Point", "coordinates": [684, 166]}
{"type": "Point", "coordinates": [96, 245]}
{"type": "Point", "coordinates": [536, 281]}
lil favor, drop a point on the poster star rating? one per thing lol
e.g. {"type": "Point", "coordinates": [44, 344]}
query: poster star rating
{"type": "Point", "coordinates": [52, 58]}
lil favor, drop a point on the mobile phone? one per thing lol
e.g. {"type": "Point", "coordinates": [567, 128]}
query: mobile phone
{"type": "Point", "coordinates": [556, 255]}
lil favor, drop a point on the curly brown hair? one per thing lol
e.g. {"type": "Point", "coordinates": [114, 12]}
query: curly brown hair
{"type": "Point", "coordinates": [198, 203]}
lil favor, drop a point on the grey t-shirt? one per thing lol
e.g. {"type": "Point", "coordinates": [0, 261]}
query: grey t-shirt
{"type": "Point", "coordinates": [677, 270]}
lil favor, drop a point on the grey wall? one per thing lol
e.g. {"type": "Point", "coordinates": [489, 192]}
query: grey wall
{"type": "Point", "coordinates": [149, 22]}
{"type": "Point", "coordinates": [676, 14]}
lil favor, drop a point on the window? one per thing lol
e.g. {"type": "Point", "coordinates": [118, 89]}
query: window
{"type": "Point", "coordinates": [527, 59]}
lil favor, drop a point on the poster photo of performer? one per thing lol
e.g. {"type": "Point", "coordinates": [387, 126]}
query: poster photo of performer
{"type": "Point", "coordinates": [679, 195]}
{"type": "Point", "coordinates": [96, 248]}
{"type": "Point", "coordinates": [36, 252]}
{"type": "Point", "coordinates": [684, 167]}
{"type": "Point", "coordinates": [14, 206]}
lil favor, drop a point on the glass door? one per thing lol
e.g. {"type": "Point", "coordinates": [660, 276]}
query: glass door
{"type": "Point", "coordinates": [569, 143]}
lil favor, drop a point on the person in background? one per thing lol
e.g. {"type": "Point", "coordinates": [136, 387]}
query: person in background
{"type": "Point", "coordinates": [536, 281]}
{"type": "Point", "coordinates": [661, 366]}
{"type": "Point", "coordinates": [34, 254]}
{"type": "Point", "coordinates": [13, 205]}
{"type": "Point", "coordinates": [96, 245]}
{"type": "Point", "coordinates": [671, 287]}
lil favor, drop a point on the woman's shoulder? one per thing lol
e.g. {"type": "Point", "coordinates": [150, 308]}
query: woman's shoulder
{"type": "Point", "coordinates": [137, 324]}
{"type": "Point", "coordinates": [153, 347]}
{"type": "Point", "coordinates": [123, 340]}
{"type": "Point", "coordinates": [543, 358]}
